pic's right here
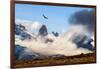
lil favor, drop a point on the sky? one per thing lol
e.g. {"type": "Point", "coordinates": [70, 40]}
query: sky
{"type": "Point", "coordinates": [58, 16]}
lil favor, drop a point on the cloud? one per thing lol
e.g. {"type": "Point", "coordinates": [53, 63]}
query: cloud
{"type": "Point", "coordinates": [35, 25]}
{"type": "Point", "coordinates": [84, 17]}
{"type": "Point", "coordinates": [30, 25]}
{"type": "Point", "coordinates": [63, 45]}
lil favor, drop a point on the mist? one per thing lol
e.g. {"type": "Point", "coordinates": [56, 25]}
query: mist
{"type": "Point", "coordinates": [62, 45]}
{"type": "Point", "coordinates": [78, 39]}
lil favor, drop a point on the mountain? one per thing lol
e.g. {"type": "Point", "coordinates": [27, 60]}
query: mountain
{"type": "Point", "coordinates": [20, 53]}
{"type": "Point", "coordinates": [20, 30]}
{"type": "Point", "coordinates": [25, 53]}
{"type": "Point", "coordinates": [43, 31]}
{"type": "Point", "coordinates": [84, 42]}
{"type": "Point", "coordinates": [55, 34]}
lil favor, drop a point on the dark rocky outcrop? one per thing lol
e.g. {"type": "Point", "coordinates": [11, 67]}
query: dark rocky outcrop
{"type": "Point", "coordinates": [55, 34]}
{"type": "Point", "coordinates": [21, 31]}
{"type": "Point", "coordinates": [84, 42]}
{"type": "Point", "coordinates": [43, 31]}
{"type": "Point", "coordinates": [23, 53]}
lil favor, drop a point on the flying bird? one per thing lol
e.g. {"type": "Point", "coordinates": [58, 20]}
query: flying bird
{"type": "Point", "coordinates": [45, 16]}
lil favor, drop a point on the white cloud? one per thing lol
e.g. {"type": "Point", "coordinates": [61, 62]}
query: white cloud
{"type": "Point", "coordinates": [35, 25]}
{"type": "Point", "coordinates": [30, 25]}
{"type": "Point", "coordinates": [21, 21]}
{"type": "Point", "coordinates": [61, 45]}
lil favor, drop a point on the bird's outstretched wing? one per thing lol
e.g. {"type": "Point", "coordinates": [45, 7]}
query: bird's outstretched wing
{"type": "Point", "coordinates": [45, 16]}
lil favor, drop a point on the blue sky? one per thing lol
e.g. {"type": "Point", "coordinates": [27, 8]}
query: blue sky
{"type": "Point", "coordinates": [58, 16]}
